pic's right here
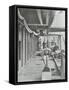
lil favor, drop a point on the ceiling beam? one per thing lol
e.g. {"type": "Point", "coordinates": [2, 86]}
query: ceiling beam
{"type": "Point", "coordinates": [32, 24]}
{"type": "Point", "coordinates": [54, 29]}
{"type": "Point", "coordinates": [39, 16]}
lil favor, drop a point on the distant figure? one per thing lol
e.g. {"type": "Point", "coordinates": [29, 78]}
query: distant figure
{"type": "Point", "coordinates": [39, 44]}
{"type": "Point", "coordinates": [54, 47]}
{"type": "Point", "coordinates": [44, 45]}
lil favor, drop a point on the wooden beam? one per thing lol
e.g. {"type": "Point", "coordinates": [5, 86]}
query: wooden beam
{"type": "Point", "coordinates": [56, 30]}
{"type": "Point", "coordinates": [51, 35]}
{"type": "Point", "coordinates": [39, 16]}
{"type": "Point", "coordinates": [32, 24]}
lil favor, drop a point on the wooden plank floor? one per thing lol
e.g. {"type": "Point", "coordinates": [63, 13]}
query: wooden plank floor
{"type": "Point", "coordinates": [32, 71]}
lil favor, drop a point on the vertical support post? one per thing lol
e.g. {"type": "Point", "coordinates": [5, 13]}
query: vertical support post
{"type": "Point", "coordinates": [63, 67]}
{"type": "Point", "coordinates": [60, 42]}
{"type": "Point", "coordinates": [26, 44]}
{"type": "Point", "coordinates": [23, 46]}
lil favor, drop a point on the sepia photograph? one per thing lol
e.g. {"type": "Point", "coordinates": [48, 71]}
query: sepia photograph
{"type": "Point", "coordinates": [41, 44]}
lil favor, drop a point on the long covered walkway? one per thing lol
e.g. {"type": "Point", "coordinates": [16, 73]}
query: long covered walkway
{"type": "Point", "coordinates": [32, 71]}
{"type": "Point", "coordinates": [41, 45]}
